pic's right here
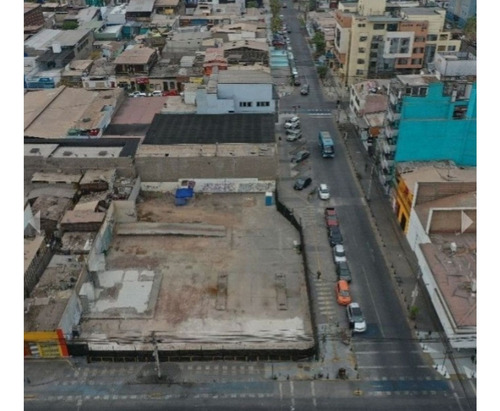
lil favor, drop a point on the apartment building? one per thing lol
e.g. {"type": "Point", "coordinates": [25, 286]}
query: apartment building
{"type": "Point", "coordinates": [374, 40]}
{"type": "Point", "coordinates": [430, 117]}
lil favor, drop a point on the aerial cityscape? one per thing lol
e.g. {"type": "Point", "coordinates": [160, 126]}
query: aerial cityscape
{"type": "Point", "coordinates": [250, 204]}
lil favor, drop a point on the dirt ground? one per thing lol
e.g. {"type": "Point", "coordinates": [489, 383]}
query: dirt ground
{"type": "Point", "coordinates": [216, 290]}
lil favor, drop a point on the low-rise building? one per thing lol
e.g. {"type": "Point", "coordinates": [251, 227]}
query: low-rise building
{"type": "Point", "coordinates": [236, 153]}
{"type": "Point", "coordinates": [86, 113]}
{"type": "Point", "coordinates": [237, 91]}
{"type": "Point", "coordinates": [441, 201]}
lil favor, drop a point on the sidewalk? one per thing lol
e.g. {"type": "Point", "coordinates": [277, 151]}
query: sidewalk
{"type": "Point", "coordinates": [398, 255]}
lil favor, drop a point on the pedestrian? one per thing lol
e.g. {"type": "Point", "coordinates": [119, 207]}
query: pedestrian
{"type": "Point", "coordinates": [318, 274]}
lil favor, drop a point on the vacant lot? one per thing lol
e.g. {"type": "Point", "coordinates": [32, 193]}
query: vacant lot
{"type": "Point", "coordinates": [244, 289]}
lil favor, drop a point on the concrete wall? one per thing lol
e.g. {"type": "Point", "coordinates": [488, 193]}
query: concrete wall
{"type": "Point", "coordinates": [71, 315]}
{"type": "Point", "coordinates": [102, 241]}
{"type": "Point", "coordinates": [170, 169]}
{"type": "Point", "coordinates": [450, 220]}
{"type": "Point", "coordinates": [252, 93]}
{"type": "Point", "coordinates": [434, 191]}
{"type": "Point", "coordinates": [215, 186]}
{"type": "Point", "coordinates": [124, 165]}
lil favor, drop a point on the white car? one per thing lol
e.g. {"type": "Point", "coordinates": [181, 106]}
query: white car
{"type": "Point", "coordinates": [323, 192]}
{"type": "Point", "coordinates": [137, 94]}
{"type": "Point", "coordinates": [356, 318]}
{"type": "Point", "coordinates": [156, 93]}
{"type": "Point", "coordinates": [294, 122]}
{"type": "Point", "coordinates": [339, 253]}
{"type": "Point", "coordinates": [293, 136]}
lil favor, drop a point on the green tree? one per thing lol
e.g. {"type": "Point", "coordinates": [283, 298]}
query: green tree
{"type": "Point", "coordinates": [69, 25]}
{"type": "Point", "coordinates": [252, 4]}
{"type": "Point", "coordinates": [470, 29]}
{"type": "Point", "coordinates": [322, 70]}
{"type": "Point", "coordinates": [319, 42]}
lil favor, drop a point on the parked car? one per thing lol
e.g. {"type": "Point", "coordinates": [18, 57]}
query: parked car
{"type": "Point", "coordinates": [356, 318]}
{"type": "Point", "coordinates": [331, 218]}
{"type": "Point", "coordinates": [343, 271]}
{"type": "Point", "coordinates": [156, 93]}
{"type": "Point", "coordinates": [293, 122]}
{"type": "Point", "coordinates": [294, 136]}
{"type": "Point", "coordinates": [339, 253]}
{"type": "Point", "coordinates": [137, 94]}
{"type": "Point", "coordinates": [304, 90]}
{"type": "Point", "coordinates": [296, 80]}
{"type": "Point", "coordinates": [302, 183]}
{"type": "Point", "coordinates": [323, 192]}
{"type": "Point", "coordinates": [343, 293]}
{"type": "Point", "coordinates": [334, 235]}
{"type": "Point", "coordinates": [300, 156]}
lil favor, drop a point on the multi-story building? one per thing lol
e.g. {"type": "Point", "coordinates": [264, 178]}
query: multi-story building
{"type": "Point", "coordinates": [431, 117]}
{"type": "Point", "coordinates": [375, 38]}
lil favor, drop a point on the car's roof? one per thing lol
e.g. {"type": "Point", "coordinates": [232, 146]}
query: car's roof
{"type": "Point", "coordinates": [323, 187]}
{"type": "Point", "coordinates": [354, 305]}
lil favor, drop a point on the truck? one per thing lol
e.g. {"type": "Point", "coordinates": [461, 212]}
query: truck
{"type": "Point", "coordinates": [326, 144]}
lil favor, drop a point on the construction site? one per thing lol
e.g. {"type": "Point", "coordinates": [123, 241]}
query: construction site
{"type": "Point", "coordinates": [219, 276]}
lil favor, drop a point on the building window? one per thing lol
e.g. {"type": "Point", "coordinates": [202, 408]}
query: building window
{"type": "Point", "coordinates": [422, 91]}
{"type": "Point", "coordinates": [452, 48]}
{"type": "Point", "coordinates": [459, 112]}
{"type": "Point", "coordinates": [402, 61]}
{"type": "Point", "coordinates": [361, 61]}
{"type": "Point", "coordinates": [392, 27]}
{"type": "Point", "coordinates": [363, 38]}
{"type": "Point", "coordinates": [432, 37]}
{"type": "Point", "coordinates": [373, 54]}
{"type": "Point", "coordinates": [360, 72]}
{"type": "Point", "coordinates": [262, 103]}
{"type": "Point", "coordinates": [361, 25]}
{"type": "Point", "coordinates": [245, 104]}
{"type": "Point", "coordinates": [441, 48]}
{"type": "Point", "coordinates": [361, 50]}
{"type": "Point", "coordinates": [378, 26]}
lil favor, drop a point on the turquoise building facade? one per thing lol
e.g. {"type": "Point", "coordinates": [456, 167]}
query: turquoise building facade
{"type": "Point", "coordinates": [438, 126]}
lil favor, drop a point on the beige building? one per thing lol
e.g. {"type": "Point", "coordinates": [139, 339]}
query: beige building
{"type": "Point", "coordinates": [374, 40]}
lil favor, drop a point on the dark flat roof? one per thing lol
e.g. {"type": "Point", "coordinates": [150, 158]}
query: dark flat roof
{"type": "Point", "coordinates": [167, 129]}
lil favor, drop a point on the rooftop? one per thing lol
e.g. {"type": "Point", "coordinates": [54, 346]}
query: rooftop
{"type": "Point", "coordinates": [136, 55]}
{"type": "Point", "coordinates": [168, 129]}
{"type": "Point", "coordinates": [244, 77]}
{"type": "Point", "coordinates": [140, 5]}
{"type": "Point", "coordinates": [413, 172]}
{"type": "Point", "coordinates": [52, 113]}
{"type": "Point", "coordinates": [455, 273]}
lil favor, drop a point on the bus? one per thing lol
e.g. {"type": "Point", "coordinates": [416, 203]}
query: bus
{"type": "Point", "coordinates": [326, 144]}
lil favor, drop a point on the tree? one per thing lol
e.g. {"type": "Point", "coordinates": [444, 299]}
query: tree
{"type": "Point", "coordinates": [69, 25]}
{"type": "Point", "coordinates": [322, 70]}
{"type": "Point", "coordinates": [252, 4]}
{"type": "Point", "coordinates": [319, 42]}
{"type": "Point", "coordinates": [470, 29]}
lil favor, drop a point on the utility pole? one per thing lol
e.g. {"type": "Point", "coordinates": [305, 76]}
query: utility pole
{"type": "Point", "coordinates": [369, 190]}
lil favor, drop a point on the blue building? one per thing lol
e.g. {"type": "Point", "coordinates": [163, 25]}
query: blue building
{"type": "Point", "coordinates": [459, 11]}
{"type": "Point", "coordinates": [431, 117]}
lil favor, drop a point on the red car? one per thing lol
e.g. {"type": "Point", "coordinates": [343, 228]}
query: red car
{"type": "Point", "coordinates": [331, 218]}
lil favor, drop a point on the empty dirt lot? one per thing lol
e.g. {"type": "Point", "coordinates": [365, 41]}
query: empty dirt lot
{"type": "Point", "coordinates": [244, 288]}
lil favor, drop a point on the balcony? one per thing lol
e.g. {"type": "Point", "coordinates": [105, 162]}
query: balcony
{"type": "Point", "coordinates": [393, 115]}
{"type": "Point", "coordinates": [391, 131]}
{"type": "Point", "coordinates": [386, 164]}
{"type": "Point", "coordinates": [384, 147]}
